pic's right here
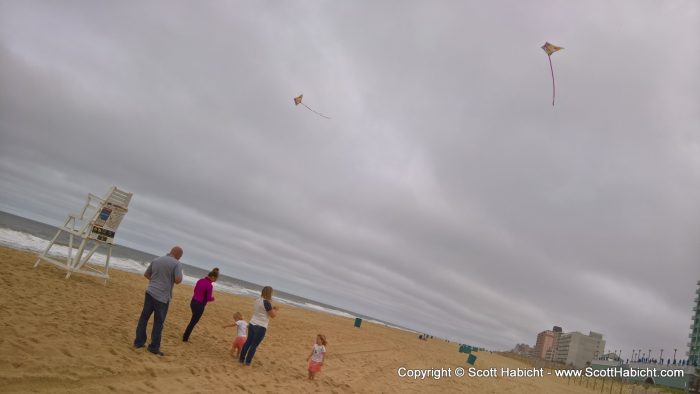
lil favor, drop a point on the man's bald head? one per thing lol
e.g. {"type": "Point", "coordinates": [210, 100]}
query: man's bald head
{"type": "Point", "coordinates": [176, 252]}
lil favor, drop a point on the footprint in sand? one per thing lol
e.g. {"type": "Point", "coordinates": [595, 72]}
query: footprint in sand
{"type": "Point", "coordinates": [66, 352]}
{"type": "Point", "coordinates": [113, 352]}
{"type": "Point", "coordinates": [151, 372]}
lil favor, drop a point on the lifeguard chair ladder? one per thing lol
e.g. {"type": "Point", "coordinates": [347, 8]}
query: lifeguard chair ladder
{"type": "Point", "coordinates": [95, 226]}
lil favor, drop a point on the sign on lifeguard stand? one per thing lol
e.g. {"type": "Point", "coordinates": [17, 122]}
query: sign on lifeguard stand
{"type": "Point", "coordinates": [95, 226]}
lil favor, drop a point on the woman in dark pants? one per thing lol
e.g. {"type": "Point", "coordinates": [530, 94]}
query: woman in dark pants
{"type": "Point", "coordinates": [203, 293]}
{"type": "Point", "coordinates": [257, 327]}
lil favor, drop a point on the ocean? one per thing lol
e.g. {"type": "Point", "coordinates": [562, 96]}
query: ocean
{"type": "Point", "coordinates": [25, 234]}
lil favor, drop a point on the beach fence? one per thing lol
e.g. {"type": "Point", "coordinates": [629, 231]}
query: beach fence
{"type": "Point", "coordinates": [602, 385]}
{"type": "Point", "coordinates": [614, 385]}
{"type": "Point", "coordinates": [611, 385]}
{"type": "Point", "coordinates": [95, 226]}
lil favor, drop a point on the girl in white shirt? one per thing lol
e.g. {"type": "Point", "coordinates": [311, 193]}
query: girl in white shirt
{"type": "Point", "coordinates": [241, 333]}
{"type": "Point", "coordinates": [318, 354]}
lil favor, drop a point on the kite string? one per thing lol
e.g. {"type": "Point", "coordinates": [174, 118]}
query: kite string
{"type": "Point", "coordinates": [554, 91]}
{"type": "Point", "coordinates": [317, 113]}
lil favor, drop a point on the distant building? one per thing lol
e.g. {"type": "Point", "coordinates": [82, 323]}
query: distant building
{"type": "Point", "coordinates": [546, 344]}
{"type": "Point", "coordinates": [694, 344]}
{"type": "Point", "coordinates": [522, 349]}
{"type": "Point", "coordinates": [577, 349]}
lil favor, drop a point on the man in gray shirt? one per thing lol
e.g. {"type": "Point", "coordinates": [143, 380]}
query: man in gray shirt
{"type": "Point", "coordinates": [162, 273]}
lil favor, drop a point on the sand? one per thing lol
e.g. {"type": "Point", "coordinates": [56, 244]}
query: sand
{"type": "Point", "coordinates": [76, 335]}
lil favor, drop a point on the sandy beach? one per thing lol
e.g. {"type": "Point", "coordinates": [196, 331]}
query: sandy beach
{"type": "Point", "coordinates": [76, 335]}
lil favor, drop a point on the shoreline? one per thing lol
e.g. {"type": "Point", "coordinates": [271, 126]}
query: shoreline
{"type": "Point", "coordinates": [230, 285]}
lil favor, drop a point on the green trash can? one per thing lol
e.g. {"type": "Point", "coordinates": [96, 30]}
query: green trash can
{"type": "Point", "coordinates": [465, 349]}
{"type": "Point", "coordinates": [358, 322]}
{"type": "Point", "coordinates": [471, 359]}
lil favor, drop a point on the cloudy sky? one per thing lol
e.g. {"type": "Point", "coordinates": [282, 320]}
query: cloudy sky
{"type": "Point", "coordinates": [446, 194]}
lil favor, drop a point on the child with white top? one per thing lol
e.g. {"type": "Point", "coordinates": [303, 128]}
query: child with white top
{"type": "Point", "coordinates": [241, 333]}
{"type": "Point", "coordinates": [318, 354]}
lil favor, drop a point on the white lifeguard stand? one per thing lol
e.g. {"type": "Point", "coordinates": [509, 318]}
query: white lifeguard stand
{"type": "Point", "coordinates": [95, 226]}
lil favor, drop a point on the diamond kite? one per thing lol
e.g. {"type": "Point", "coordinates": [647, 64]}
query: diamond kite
{"type": "Point", "coordinates": [550, 49]}
{"type": "Point", "coordinates": [297, 101]}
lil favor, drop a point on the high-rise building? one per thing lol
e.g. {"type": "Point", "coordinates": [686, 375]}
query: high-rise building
{"type": "Point", "coordinates": [577, 349]}
{"type": "Point", "coordinates": [546, 345]}
{"type": "Point", "coordinates": [694, 344]}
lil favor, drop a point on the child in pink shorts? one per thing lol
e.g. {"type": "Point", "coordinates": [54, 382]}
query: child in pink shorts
{"type": "Point", "coordinates": [318, 354]}
{"type": "Point", "coordinates": [241, 333]}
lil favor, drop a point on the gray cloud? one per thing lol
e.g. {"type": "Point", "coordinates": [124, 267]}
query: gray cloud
{"type": "Point", "coordinates": [445, 195]}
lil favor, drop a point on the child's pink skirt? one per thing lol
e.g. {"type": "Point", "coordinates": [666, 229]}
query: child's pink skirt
{"type": "Point", "coordinates": [314, 366]}
{"type": "Point", "coordinates": [238, 343]}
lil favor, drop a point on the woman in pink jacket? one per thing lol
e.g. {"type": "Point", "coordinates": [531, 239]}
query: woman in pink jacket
{"type": "Point", "coordinates": [203, 293]}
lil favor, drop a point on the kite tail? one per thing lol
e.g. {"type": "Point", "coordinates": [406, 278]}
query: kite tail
{"type": "Point", "coordinates": [554, 91]}
{"type": "Point", "coordinates": [317, 113]}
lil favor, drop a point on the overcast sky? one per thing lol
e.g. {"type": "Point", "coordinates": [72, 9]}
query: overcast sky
{"type": "Point", "coordinates": [446, 194]}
